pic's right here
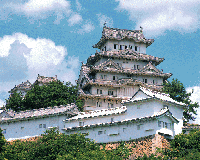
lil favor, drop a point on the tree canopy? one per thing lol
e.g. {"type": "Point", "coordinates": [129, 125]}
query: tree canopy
{"type": "Point", "coordinates": [177, 91]}
{"type": "Point", "coordinates": [53, 94]}
{"type": "Point", "coordinates": [54, 145]}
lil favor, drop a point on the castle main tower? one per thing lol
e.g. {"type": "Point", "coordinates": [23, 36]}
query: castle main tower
{"type": "Point", "coordinates": [116, 72]}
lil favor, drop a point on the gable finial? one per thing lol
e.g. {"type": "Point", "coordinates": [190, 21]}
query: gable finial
{"type": "Point", "coordinates": [104, 24]}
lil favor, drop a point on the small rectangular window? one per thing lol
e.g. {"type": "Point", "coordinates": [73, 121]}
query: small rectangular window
{"type": "Point", "coordinates": [44, 125]}
{"type": "Point", "coordinates": [97, 91]}
{"type": "Point", "coordinates": [110, 92]}
{"type": "Point", "coordinates": [138, 127]}
{"type": "Point", "coordinates": [134, 66]}
{"type": "Point", "coordinates": [100, 132]}
{"type": "Point", "coordinates": [105, 77]}
{"type": "Point", "coordinates": [112, 119]}
{"type": "Point", "coordinates": [4, 131]}
{"type": "Point", "coordinates": [153, 82]}
{"type": "Point", "coordinates": [97, 104]}
{"type": "Point", "coordinates": [124, 129]}
{"type": "Point", "coordinates": [22, 128]}
{"type": "Point", "coordinates": [101, 76]}
{"type": "Point", "coordinates": [100, 91]}
{"type": "Point", "coordinates": [81, 123]}
{"type": "Point", "coordinates": [138, 66]}
{"type": "Point", "coordinates": [40, 125]}
{"type": "Point", "coordinates": [105, 48]}
{"type": "Point", "coordinates": [111, 105]}
{"type": "Point", "coordinates": [125, 47]}
{"type": "Point", "coordinates": [120, 47]}
{"type": "Point", "coordinates": [136, 48]}
{"type": "Point", "coordinates": [159, 123]}
{"type": "Point", "coordinates": [115, 46]}
{"type": "Point", "coordinates": [113, 77]}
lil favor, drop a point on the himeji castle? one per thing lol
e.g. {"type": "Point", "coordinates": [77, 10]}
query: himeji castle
{"type": "Point", "coordinates": [121, 89]}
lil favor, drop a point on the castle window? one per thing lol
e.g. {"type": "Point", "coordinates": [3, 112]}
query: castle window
{"type": "Point", "coordinates": [120, 47]}
{"type": "Point", "coordinates": [97, 91]}
{"type": "Point", "coordinates": [101, 76]}
{"type": "Point", "coordinates": [22, 128]}
{"type": "Point", "coordinates": [111, 105]}
{"type": "Point", "coordinates": [138, 66]}
{"type": "Point", "coordinates": [4, 131]}
{"type": "Point", "coordinates": [110, 92]}
{"type": "Point", "coordinates": [125, 47]}
{"type": "Point", "coordinates": [105, 48]}
{"type": "Point", "coordinates": [159, 123]}
{"type": "Point", "coordinates": [112, 119]}
{"type": "Point", "coordinates": [40, 125]}
{"type": "Point", "coordinates": [115, 46]}
{"type": "Point", "coordinates": [105, 77]}
{"type": "Point", "coordinates": [100, 132]}
{"type": "Point", "coordinates": [97, 104]}
{"type": "Point", "coordinates": [100, 91]}
{"type": "Point", "coordinates": [153, 82]}
{"type": "Point", "coordinates": [145, 80]}
{"type": "Point", "coordinates": [134, 66]}
{"type": "Point", "coordinates": [136, 48]}
{"type": "Point", "coordinates": [113, 77]}
{"type": "Point", "coordinates": [81, 123]}
{"type": "Point", "coordinates": [124, 129]}
{"type": "Point", "coordinates": [44, 125]}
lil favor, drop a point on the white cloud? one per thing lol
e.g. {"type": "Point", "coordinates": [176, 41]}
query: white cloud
{"type": "Point", "coordinates": [86, 28]}
{"type": "Point", "coordinates": [26, 57]}
{"type": "Point", "coordinates": [78, 5]}
{"type": "Point", "coordinates": [74, 19]}
{"type": "Point", "coordinates": [195, 97]}
{"type": "Point", "coordinates": [103, 18]}
{"type": "Point", "coordinates": [35, 6]}
{"type": "Point", "coordinates": [160, 15]}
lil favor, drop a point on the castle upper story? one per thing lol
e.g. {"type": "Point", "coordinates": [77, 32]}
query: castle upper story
{"type": "Point", "coordinates": [114, 39]}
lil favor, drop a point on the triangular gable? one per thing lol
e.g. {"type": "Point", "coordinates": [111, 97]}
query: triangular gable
{"type": "Point", "coordinates": [109, 64]}
{"type": "Point", "coordinates": [139, 95]}
{"type": "Point", "coordinates": [150, 68]}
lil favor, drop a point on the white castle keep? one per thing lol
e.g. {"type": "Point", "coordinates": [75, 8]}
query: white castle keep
{"type": "Point", "coordinates": [120, 86]}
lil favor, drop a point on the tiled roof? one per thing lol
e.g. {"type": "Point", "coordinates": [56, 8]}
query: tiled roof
{"type": "Point", "coordinates": [120, 34]}
{"type": "Point", "coordinates": [155, 94]}
{"type": "Point", "coordinates": [42, 79]}
{"type": "Point", "coordinates": [124, 54]}
{"type": "Point", "coordinates": [24, 86]}
{"type": "Point", "coordinates": [97, 113]}
{"type": "Point", "coordinates": [102, 67]}
{"type": "Point", "coordinates": [38, 113]}
{"type": "Point", "coordinates": [164, 112]}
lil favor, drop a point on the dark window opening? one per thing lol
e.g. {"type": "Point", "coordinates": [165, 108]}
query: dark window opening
{"type": "Point", "coordinates": [113, 77]}
{"type": "Point", "coordinates": [136, 48]}
{"type": "Point", "coordinates": [138, 67]}
{"type": "Point", "coordinates": [115, 46]}
{"type": "Point", "coordinates": [125, 47]}
{"type": "Point", "coordinates": [120, 47]}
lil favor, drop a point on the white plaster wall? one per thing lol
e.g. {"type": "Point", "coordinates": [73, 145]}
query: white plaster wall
{"type": "Point", "coordinates": [123, 132]}
{"type": "Point", "coordinates": [31, 127]}
{"type": "Point", "coordinates": [110, 45]}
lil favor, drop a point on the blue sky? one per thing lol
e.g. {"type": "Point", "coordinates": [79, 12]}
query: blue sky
{"type": "Point", "coordinates": [53, 37]}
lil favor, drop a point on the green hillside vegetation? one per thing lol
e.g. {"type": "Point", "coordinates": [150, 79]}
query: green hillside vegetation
{"type": "Point", "coordinates": [54, 94]}
{"type": "Point", "coordinates": [55, 146]}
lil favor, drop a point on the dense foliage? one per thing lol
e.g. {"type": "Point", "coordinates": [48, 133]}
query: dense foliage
{"type": "Point", "coordinates": [177, 91]}
{"type": "Point", "coordinates": [53, 94]}
{"type": "Point", "coordinates": [53, 145]}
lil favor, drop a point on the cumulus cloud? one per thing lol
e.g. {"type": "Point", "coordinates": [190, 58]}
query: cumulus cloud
{"type": "Point", "coordinates": [74, 19]}
{"type": "Point", "coordinates": [160, 15]}
{"type": "Point", "coordinates": [103, 18]}
{"type": "Point", "coordinates": [195, 98]}
{"type": "Point", "coordinates": [86, 28]}
{"type": "Point", "coordinates": [78, 5]}
{"type": "Point", "coordinates": [41, 9]}
{"type": "Point", "coordinates": [26, 57]}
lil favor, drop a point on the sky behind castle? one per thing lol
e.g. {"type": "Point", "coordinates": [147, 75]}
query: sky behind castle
{"type": "Point", "coordinates": [53, 37]}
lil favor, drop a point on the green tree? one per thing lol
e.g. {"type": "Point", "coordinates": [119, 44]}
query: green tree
{"type": "Point", "coordinates": [177, 91]}
{"type": "Point", "coordinates": [54, 145]}
{"type": "Point", "coordinates": [15, 101]}
{"type": "Point", "coordinates": [54, 94]}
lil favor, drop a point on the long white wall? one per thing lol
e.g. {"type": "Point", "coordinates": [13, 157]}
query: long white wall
{"type": "Point", "coordinates": [31, 127]}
